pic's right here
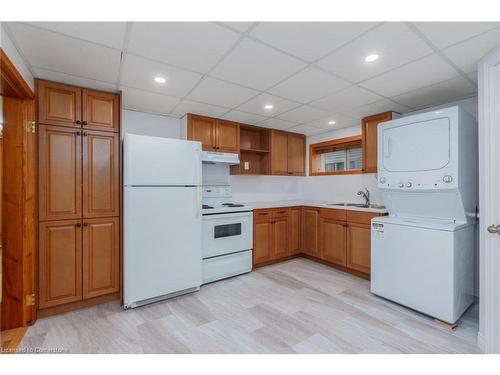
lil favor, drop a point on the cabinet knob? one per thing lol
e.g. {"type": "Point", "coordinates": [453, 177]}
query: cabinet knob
{"type": "Point", "coordinates": [78, 225]}
{"type": "Point", "coordinates": [78, 132]}
{"type": "Point", "coordinates": [84, 123]}
{"type": "Point", "coordinates": [78, 122]}
{"type": "Point", "coordinates": [85, 224]}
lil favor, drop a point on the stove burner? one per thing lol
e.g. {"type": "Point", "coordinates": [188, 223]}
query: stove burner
{"type": "Point", "coordinates": [206, 207]}
{"type": "Point", "coordinates": [232, 205]}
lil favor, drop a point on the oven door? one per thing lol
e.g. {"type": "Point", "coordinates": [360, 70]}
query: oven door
{"type": "Point", "coordinates": [227, 233]}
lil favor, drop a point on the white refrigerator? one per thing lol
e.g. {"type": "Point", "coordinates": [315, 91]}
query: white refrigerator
{"type": "Point", "coordinates": [162, 218]}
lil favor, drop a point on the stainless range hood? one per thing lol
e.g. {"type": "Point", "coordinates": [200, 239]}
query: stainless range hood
{"type": "Point", "coordinates": [213, 157]}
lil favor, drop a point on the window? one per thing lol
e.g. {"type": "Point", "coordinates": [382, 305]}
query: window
{"type": "Point", "coordinates": [339, 156]}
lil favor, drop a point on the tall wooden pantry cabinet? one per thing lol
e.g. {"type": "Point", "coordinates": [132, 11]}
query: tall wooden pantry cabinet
{"type": "Point", "coordinates": [79, 197]}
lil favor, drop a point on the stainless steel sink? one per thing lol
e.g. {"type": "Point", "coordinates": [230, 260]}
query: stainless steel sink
{"type": "Point", "coordinates": [360, 205]}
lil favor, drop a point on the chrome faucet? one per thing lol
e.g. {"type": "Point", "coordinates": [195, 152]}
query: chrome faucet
{"type": "Point", "coordinates": [366, 194]}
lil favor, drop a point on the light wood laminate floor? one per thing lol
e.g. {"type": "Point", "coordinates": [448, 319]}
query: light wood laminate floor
{"type": "Point", "coordinates": [298, 306]}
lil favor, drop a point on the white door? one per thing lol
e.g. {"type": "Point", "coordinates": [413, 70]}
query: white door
{"type": "Point", "coordinates": [489, 201]}
{"type": "Point", "coordinates": [161, 161]}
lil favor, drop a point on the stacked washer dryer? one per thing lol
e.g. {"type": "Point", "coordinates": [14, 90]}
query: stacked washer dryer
{"type": "Point", "coordinates": [423, 252]}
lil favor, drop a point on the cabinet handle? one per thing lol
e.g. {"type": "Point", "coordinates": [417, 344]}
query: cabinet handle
{"type": "Point", "coordinates": [84, 134]}
{"type": "Point", "coordinates": [78, 133]}
{"type": "Point", "coordinates": [78, 225]}
{"type": "Point", "coordinates": [84, 122]}
{"type": "Point", "coordinates": [85, 224]}
{"type": "Point", "coordinates": [78, 122]}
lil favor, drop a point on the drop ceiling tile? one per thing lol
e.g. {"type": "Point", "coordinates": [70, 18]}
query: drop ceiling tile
{"type": "Point", "coordinates": [309, 84]}
{"type": "Point", "coordinates": [252, 64]}
{"type": "Point", "coordinates": [341, 121]}
{"type": "Point", "coordinates": [56, 52]}
{"type": "Point", "coordinates": [306, 129]}
{"type": "Point", "coordinates": [303, 114]}
{"type": "Point", "coordinates": [144, 101]}
{"type": "Point", "coordinates": [191, 45]}
{"type": "Point", "coordinates": [467, 54]}
{"type": "Point", "coordinates": [243, 117]}
{"type": "Point", "coordinates": [110, 34]}
{"type": "Point", "coordinates": [394, 42]}
{"type": "Point", "coordinates": [424, 72]}
{"type": "Point", "coordinates": [351, 97]}
{"type": "Point", "coordinates": [439, 93]}
{"type": "Point", "coordinates": [444, 34]}
{"type": "Point", "coordinates": [275, 123]}
{"type": "Point", "coordinates": [73, 80]}
{"type": "Point", "coordinates": [187, 106]}
{"type": "Point", "coordinates": [239, 26]}
{"type": "Point", "coordinates": [139, 73]}
{"type": "Point", "coordinates": [217, 92]}
{"type": "Point", "coordinates": [257, 104]}
{"type": "Point", "coordinates": [309, 40]}
{"type": "Point", "coordinates": [384, 105]}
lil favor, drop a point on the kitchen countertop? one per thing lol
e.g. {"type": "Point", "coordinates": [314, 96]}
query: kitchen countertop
{"type": "Point", "coordinates": [319, 204]}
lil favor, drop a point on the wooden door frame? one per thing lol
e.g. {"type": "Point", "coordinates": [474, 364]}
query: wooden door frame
{"type": "Point", "coordinates": [489, 163]}
{"type": "Point", "coordinates": [14, 87]}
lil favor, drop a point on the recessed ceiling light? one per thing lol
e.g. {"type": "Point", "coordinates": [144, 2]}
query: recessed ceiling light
{"type": "Point", "coordinates": [268, 106]}
{"type": "Point", "coordinates": [160, 79]}
{"type": "Point", "coordinates": [371, 58]}
{"type": "Point", "coordinates": [331, 123]}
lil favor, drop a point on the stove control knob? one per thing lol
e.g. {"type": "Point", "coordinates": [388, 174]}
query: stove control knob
{"type": "Point", "coordinates": [447, 179]}
{"type": "Point", "coordinates": [383, 180]}
{"type": "Point", "coordinates": [401, 185]}
{"type": "Point", "coordinates": [408, 184]}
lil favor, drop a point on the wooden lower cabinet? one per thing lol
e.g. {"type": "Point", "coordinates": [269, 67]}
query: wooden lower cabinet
{"type": "Point", "coordinates": [295, 230]}
{"type": "Point", "coordinates": [310, 226]}
{"type": "Point", "coordinates": [262, 241]}
{"type": "Point", "coordinates": [333, 241]}
{"type": "Point", "coordinates": [359, 247]}
{"type": "Point", "coordinates": [60, 262]}
{"type": "Point", "coordinates": [280, 238]}
{"type": "Point", "coordinates": [101, 258]}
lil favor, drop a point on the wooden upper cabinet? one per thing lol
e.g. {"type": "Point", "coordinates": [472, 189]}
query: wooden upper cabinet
{"type": "Point", "coordinates": [296, 154]}
{"type": "Point", "coordinates": [333, 241]}
{"type": "Point", "coordinates": [59, 104]}
{"type": "Point", "coordinates": [101, 259]}
{"type": "Point", "coordinates": [60, 262]}
{"type": "Point", "coordinates": [227, 136]}
{"type": "Point", "coordinates": [101, 174]}
{"type": "Point", "coordinates": [295, 230]}
{"type": "Point", "coordinates": [279, 153]}
{"type": "Point", "coordinates": [310, 221]}
{"type": "Point", "coordinates": [101, 110]}
{"type": "Point", "coordinates": [59, 173]}
{"type": "Point", "coordinates": [359, 247]}
{"type": "Point", "coordinates": [202, 129]}
{"type": "Point", "coordinates": [369, 140]}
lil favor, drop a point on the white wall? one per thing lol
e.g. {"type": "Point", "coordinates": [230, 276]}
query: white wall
{"type": "Point", "coordinates": [14, 56]}
{"type": "Point", "coordinates": [149, 124]}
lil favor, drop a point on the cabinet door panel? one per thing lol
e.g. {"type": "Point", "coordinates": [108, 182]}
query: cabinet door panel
{"type": "Point", "coordinates": [279, 153]}
{"type": "Point", "coordinates": [59, 104]}
{"type": "Point", "coordinates": [60, 262]}
{"type": "Point", "coordinates": [369, 139]}
{"type": "Point", "coordinates": [101, 110]}
{"type": "Point", "coordinates": [280, 238]}
{"type": "Point", "coordinates": [295, 229]}
{"type": "Point", "coordinates": [227, 136]}
{"type": "Point", "coordinates": [310, 222]}
{"type": "Point", "coordinates": [296, 154]}
{"type": "Point", "coordinates": [359, 248]}
{"type": "Point", "coordinates": [60, 191]}
{"type": "Point", "coordinates": [101, 174]}
{"type": "Point", "coordinates": [262, 242]}
{"type": "Point", "coordinates": [333, 244]}
{"type": "Point", "coordinates": [202, 129]}
{"type": "Point", "coordinates": [101, 259]}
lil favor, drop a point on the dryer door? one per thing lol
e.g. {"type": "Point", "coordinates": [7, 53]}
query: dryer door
{"type": "Point", "coordinates": [416, 146]}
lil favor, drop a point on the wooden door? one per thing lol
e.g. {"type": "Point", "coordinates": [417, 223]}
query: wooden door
{"type": "Point", "coordinates": [202, 129]}
{"type": "Point", "coordinates": [296, 154]}
{"type": "Point", "coordinates": [101, 110]}
{"type": "Point", "coordinates": [295, 219]}
{"type": "Point", "coordinates": [101, 257]}
{"type": "Point", "coordinates": [310, 222]}
{"type": "Point", "coordinates": [59, 104]}
{"type": "Point", "coordinates": [59, 173]}
{"type": "Point", "coordinates": [280, 238]}
{"type": "Point", "coordinates": [60, 262]}
{"type": "Point", "coordinates": [332, 241]}
{"type": "Point", "coordinates": [101, 174]}
{"type": "Point", "coordinates": [262, 241]}
{"type": "Point", "coordinates": [279, 153]}
{"type": "Point", "coordinates": [369, 140]}
{"type": "Point", "coordinates": [227, 136]}
{"type": "Point", "coordinates": [359, 247]}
